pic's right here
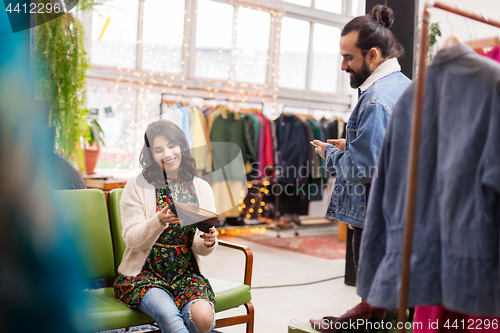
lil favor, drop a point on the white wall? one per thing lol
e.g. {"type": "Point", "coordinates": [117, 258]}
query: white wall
{"type": "Point", "coordinates": [465, 29]}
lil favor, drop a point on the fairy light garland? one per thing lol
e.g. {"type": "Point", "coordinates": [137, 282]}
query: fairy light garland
{"type": "Point", "coordinates": [145, 82]}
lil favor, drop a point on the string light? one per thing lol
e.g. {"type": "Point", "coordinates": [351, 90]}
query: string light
{"type": "Point", "coordinates": [242, 94]}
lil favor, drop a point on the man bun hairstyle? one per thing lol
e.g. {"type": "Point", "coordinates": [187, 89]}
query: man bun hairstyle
{"type": "Point", "coordinates": [373, 31]}
{"type": "Point", "coordinates": [383, 14]}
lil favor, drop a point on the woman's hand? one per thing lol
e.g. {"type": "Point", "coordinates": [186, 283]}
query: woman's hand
{"type": "Point", "coordinates": [166, 217]}
{"type": "Point", "coordinates": [209, 239]}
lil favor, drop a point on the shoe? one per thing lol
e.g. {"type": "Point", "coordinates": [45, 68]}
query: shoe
{"type": "Point", "coordinates": [378, 313]}
{"type": "Point", "coordinates": [362, 311]}
{"type": "Point", "coordinates": [324, 324]}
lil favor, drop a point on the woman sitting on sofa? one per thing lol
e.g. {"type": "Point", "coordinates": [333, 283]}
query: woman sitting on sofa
{"type": "Point", "coordinates": [160, 272]}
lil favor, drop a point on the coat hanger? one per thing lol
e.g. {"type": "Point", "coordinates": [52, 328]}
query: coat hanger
{"type": "Point", "coordinates": [481, 44]}
{"type": "Point", "coordinates": [450, 41]}
{"type": "Point", "coordinates": [169, 103]}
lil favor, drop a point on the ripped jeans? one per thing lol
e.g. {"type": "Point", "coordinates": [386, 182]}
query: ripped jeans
{"type": "Point", "coordinates": [159, 305]}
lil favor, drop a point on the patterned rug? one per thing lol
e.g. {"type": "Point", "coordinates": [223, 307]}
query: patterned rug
{"type": "Point", "coordinates": [140, 329]}
{"type": "Point", "coordinates": [328, 247]}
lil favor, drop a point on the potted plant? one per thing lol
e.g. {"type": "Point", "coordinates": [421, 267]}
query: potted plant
{"type": "Point", "coordinates": [94, 138]}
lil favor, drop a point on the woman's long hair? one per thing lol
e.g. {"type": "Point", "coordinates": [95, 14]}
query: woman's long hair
{"type": "Point", "coordinates": [151, 171]}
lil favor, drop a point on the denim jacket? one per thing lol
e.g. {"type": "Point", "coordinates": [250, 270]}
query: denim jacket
{"type": "Point", "coordinates": [455, 260]}
{"type": "Point", "coordinates": [355, 166]}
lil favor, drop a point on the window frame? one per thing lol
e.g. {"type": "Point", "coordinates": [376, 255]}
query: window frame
{"type": "Point", "coordinates": [186, 84]}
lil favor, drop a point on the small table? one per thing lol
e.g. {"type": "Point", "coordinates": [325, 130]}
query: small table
{"type": "Point", "coordinates": [104, 183]}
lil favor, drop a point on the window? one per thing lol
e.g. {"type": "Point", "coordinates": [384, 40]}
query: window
{"type": "Point", "coordinates": [118, 45]}
{"type": "Point", "coordinates": [218, 40]}
{"type": "Point", "coordinates": [306, 3]}
{"type": "Point", "coordinates": [252, 45]}
{"type": "Point", "coordinates": [294, 52]}
{"type": "Point", "coordinates": [163, 32]}
{"type": "Point", "coordinates": [355, 8]}
{"type": "Point", "coordinates": [326, 60]}
{"type": "Point", "coordinates": [333, 6]}
{"type": "Point", "coordinates": [117, 111]}
{"type": "Point", "coordinates": [214, 40]}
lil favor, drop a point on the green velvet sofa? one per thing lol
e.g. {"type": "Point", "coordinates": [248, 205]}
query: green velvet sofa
{"type": "Point", "coordinates": [101, 246]}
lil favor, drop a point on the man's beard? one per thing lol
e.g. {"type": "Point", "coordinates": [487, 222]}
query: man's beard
{"type": "Point", "coordinates": [357, 79]}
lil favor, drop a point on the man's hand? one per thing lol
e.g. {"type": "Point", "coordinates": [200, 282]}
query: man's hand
{"type": "Point", "coordinates": [321, 147]}
{"type": "Point", "coordinates": [340, 143]}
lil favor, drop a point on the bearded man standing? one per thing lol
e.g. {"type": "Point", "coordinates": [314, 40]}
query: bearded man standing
{"type": "Point", "coordinates": [370, 52]}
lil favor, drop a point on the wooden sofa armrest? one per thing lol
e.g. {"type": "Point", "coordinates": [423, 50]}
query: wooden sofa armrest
{"type": "Point", "coordinates": [248, 259]}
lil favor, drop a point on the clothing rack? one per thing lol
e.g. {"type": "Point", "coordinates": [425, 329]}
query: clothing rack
{"type": "Point", "coordinates": [206, 99]}
{"type": "Point", "coordinates": [411, 192]}
{"type": "Point", "coordinates": [319, 108]}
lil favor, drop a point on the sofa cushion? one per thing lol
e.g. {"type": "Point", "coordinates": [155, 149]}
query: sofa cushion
{"type": "Point", "coordinates": [105, 312]}
{"type": "Point", "coordinates": [229, 294]}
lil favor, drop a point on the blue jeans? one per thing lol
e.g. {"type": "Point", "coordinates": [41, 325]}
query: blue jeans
{"type": "Point", "coordinates": [159, 305]}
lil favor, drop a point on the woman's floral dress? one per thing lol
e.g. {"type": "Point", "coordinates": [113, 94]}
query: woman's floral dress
{"type": "Point", "coordinates": [174, 269]}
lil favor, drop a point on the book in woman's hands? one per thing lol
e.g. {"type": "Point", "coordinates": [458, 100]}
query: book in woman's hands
{"type": "Point", "coordinates": [192, 214]}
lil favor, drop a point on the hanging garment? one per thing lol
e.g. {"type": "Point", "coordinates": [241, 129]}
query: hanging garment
{"type": "Point", "coordinates": [304, 170]}
{"type": "Point", "coordinates": [275, 145]}
{"type": "Point", "coordinates": [318, 173]}
{"type": "Point", "coordinates": [291, 202]}
{"type": "Point", "coordinates": [315, 161]}
{"type": "Point", "coordinates": [174, 114]}
{"type": "Point", "coordinates": [455, 258]}
{"type": "Point", "coordinates": [494, 54]}
{"type": "Point", "coordinates": [186, 122]}
{"type": "Point", "coordinates": [268, 148]}
{"type": "Point", "coordinates": [260, 145]}
{"type": "Point", "coordinates": [289, 152]}
{"type": "Point", "coordinates": [228, 128]}
{"type": "Point", "coordinates": [201, 141]}
{"type": "Point", "coordinates": [435, 319]}
{"type": "Point", "coordinates": [253, 131]}
{"type": "Point", "coordinates": [332, 128]}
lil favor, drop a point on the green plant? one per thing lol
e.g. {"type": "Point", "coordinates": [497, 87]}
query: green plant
{"type": "Point", "coordinates": [89, 4]}
{"type": "Point", "coordinates": [434, 31]}
{"type": "Point", "coordinates": [60, 78]}
{"type": "Point", "coordinates": [61, 65]}
{"type": "Point", "coordinates": [95, 134]}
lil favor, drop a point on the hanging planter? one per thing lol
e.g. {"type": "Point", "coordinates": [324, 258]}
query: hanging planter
{"type": "Point", "coordinates": [61, 67]}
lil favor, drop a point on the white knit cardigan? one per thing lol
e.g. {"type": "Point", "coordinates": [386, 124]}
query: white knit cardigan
{"type": "Point", "coordinates": [141, 223]}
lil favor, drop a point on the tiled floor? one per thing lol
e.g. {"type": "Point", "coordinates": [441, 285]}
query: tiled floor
{"type": "Point", "coordinates": [277, 308]}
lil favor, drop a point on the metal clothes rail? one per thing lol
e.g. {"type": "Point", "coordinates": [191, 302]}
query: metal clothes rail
{"type": "Point", "coordinates": [411, 192]}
